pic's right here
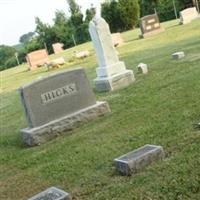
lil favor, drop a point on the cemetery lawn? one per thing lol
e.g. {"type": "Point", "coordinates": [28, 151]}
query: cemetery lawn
{"type": "Point", "coordinates": [160, 108]}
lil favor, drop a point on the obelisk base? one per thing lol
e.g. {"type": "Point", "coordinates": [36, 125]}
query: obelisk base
{"type": "Point", "coordinates": [115, 82]}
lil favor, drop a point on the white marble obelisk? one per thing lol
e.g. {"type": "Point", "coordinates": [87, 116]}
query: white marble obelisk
{"type": "Point", "coordinates": [111, 73]}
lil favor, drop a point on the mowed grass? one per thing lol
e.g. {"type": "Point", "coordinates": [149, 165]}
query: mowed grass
{"type": "Point", "coordinates": [160, 108]}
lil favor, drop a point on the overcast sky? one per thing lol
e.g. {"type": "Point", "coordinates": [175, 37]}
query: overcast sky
{"type": "Point", "coordinates": [18, 16]}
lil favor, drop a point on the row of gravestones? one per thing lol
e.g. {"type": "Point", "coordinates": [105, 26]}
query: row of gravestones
{"type": "Point", "coordinates": [63, 101]}
{"type": "Point", "coordinates": [149, 26]}
{"type": "Point", "coordinates": [40, 57]}
{"type": "Point", "coordinates": [126, 165]}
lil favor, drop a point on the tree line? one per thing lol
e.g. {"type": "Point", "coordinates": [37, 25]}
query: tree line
{"type": "Point", "coordinates": [121, 15]}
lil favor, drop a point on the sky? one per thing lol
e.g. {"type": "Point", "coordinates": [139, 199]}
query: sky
{"type": "Point", "coordinates": [17, 17]}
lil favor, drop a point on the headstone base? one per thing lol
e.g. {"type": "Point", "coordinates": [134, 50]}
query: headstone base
{"type": "Point", "coordinates": [40, 135]}
{"type": "Point", "coordinates": [146, 35]}
{"type": "Point", "coordinates": [114, 82]}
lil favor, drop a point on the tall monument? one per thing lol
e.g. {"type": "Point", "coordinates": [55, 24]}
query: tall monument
{"type": "Point", "coordinates": [111, 73]}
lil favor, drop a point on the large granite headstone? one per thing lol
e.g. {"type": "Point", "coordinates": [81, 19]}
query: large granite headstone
{"type": "Point", "coordinates": [111, 73]}
{"type": "Point", "coordinates": [150, 25]}
{"type": "Point", "coordinates": [187, 15]}
{"type": "Point", "coordinates": [37, 58]}
{"type": "Point", "coordinates": [58, 103]}
{"type": "Point", "coordinates": [136, 160]}
{"type": "Point", "coordinates": [52, 194]}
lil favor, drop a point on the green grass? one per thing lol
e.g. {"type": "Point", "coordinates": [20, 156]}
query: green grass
{"type": "Point", "coordinates": [159, 108]}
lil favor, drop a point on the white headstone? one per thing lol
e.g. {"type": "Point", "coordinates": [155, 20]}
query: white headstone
{"type": "Point", "coordinates": [111, 73]}
{"type": "Point", "coordinates": [187, 15]}
{"type": "Point", "coordinates": [142, 68]}
{"type": "Point", "coordinates": [178, 55]}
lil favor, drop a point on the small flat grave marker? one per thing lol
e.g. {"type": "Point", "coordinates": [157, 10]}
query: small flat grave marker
{"type": "Point", "coordinates": [142, 68]}
{"type": "Point", "coordinates": [52, 193]}
{"type": "Point", "coordinates": [136, 160]}
{"type": "Point", "coordinates": [178, 55]}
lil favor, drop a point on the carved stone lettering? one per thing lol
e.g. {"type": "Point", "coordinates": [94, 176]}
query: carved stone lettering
{"type": "Point", "coordinates": [58, 93]}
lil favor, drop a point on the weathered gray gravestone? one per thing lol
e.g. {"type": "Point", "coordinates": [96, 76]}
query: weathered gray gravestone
{"type": "Point", "coordinates": [136, 160]}
{"type": "Point", "coordinates": [52, 194]}
{"type": "Point", "coordinates": [58, 103]}
{"type": "Point", "coordinates": [150, 25]}
{"type": "Point", "coordinates": [111, 73]}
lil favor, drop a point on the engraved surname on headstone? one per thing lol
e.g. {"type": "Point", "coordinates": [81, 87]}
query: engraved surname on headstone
{"type": "Point", "coordinates": [58, 93]}
{"type": "Point", "coordinates": [151, 21]}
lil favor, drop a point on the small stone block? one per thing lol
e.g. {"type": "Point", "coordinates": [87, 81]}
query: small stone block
{"type": "Point", "coordinates": [136, 160]}
{"type": "Point", "coordinates": [52, 193]}
{"type": "Point", "coordinates": [142, 68]}
{"type": "Point", "coordinates": [178, 55]}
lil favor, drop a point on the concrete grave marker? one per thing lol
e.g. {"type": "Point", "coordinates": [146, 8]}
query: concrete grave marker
{"type": "Point", "coordinates": [178, 55]}
{"type": "Point", "coordinates": [52, 193]}
{"type": "Point", "coordinates": [58, 103]}
{"type": "Point", "coordinates": [111, 73]}
{"type": "Point", "coordinates": [142, 68]}
{"type": "Point", "coordinates": [117, 39]}
{"type": "Point", "coordinates": [150, 25]}
{"type": "Point", "coordinates": [138, 159]}
{"type": "Point", "coordinates": [37, 58]}
{"type": "Point", "coordinates": [187, 15]}
{"type": "Point", "coordinates": [57, 48]}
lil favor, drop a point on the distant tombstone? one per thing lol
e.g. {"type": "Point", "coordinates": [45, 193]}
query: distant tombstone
{"type": "Point", "coordinates": [56, 63]}
{"type": "Point", "coordinates": [178, 55]}
{"type": "Point", "coordinates": [37, 58]}
{"type": "Point", "coordinates": [138, 159]}
{"type": "Point", "coordinates": [111, 73]}
{"type": "Point", "coordinates": [150, 25]}
{"type": "Point", "coordinates": [52, 193]}
{"type": "Point", "coordinates": [82, 54]}
{"type": "Point", "coordinates": [58, 103]}
{"type": "Point", "coordinates": [57, 48]}
{"type": "Point", "coordinates": [187, 15]}
{"type": "Point", "coordinates": [117, 39]}
{"type": "Point", "coordinates": [142, 68]}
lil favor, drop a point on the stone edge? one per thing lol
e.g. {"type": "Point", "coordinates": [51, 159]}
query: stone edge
{"type": "Point", "coordinates": [128, 171]}
{"type": "Point", "coordinates": [66, 196]}
{"type": "Point", "coordinates": [42, 134]}
{"type": "Point", "coordinates": [115, 82]}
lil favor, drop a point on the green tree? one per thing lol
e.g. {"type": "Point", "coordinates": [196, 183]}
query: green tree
{"type": "Point", "coordinates": [46, 34]}
{"type": "Point", "coordinates": [26, 37]}
{"type": "Point", "coordinates": [121, 15]}
{"type": "Point", "coordinates": [111, 13]}
{"type": "Point", "coordinates": [129, 13]}
{"type": "Point", "coordinates": [7, 57]}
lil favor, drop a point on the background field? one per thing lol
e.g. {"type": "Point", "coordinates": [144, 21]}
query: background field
{"type": "Point", "coordinates": [159, 108]}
